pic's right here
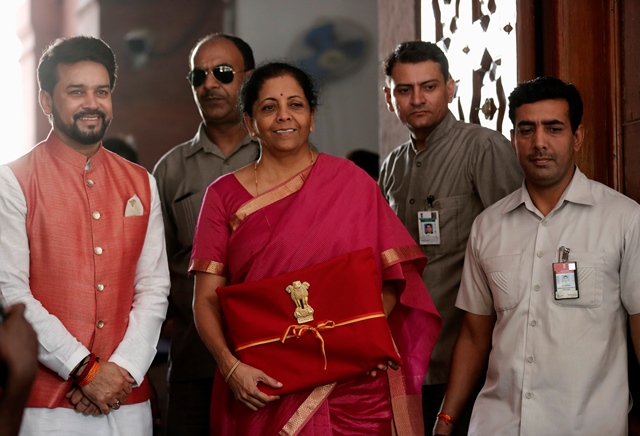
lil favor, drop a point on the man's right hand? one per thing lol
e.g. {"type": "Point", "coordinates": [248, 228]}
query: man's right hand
{"type": "Point", "coordinates": [82, 403]}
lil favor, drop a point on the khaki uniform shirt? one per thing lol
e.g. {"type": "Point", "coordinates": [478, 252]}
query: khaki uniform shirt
{"type": "Point", "coordinates": [183, 175]}
{"type": "Point", "coordinates": [557, 367]}
{"type": "Point", "coordinates": [466, 168]}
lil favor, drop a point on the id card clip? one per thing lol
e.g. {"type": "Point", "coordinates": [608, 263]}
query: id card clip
{"type": "Point", "coordinates": [565, 276]}
{"type": "Point", "coordinates": [429, 224]}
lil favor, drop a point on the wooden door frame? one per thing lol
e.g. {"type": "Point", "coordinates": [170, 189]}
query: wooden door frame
{"type": "Point", "coordinates": [578, 45]}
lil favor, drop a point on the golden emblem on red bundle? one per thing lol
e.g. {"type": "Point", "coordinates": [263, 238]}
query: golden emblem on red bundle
{"type": "Point", "coordinates": [300, 295]}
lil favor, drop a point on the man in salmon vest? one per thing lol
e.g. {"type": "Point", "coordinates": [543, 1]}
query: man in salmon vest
{"type": "Point", "coordinates": [82, 246]}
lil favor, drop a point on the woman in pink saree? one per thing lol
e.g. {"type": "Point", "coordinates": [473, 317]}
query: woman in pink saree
{"type": "Point", "coordinates": [293, 209]}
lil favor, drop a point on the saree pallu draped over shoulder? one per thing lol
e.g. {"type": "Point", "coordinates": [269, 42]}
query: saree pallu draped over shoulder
{"type": "Point", "coordinates": [329, 209]}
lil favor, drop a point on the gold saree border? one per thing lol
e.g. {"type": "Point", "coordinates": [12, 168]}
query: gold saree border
{"type": "Point", "coordinates": [306, 410]}
{"type": "Point", "coordinates": [208, 266]}
{"type": "Point", "coordinates": [407, 409]}
{"type": "Point", "coordinates": [400, 254]}
{"type": "Point", "coordinates": [289, 187]}
{"type": "Point", "coordinates": [404, 408]}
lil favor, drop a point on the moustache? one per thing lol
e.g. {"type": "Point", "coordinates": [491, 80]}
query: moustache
{"type": "Point", "coordinates": [541, 155]}
{"type": "Point", "coordinates": [420, 109]}
{"type": "Point", "coordinates": [85, 113]}
{"type": "Point", "coordinates": [212, 94]}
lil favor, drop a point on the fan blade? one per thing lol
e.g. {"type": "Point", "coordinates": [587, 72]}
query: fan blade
{"type": "Point", "coordinates": [322, 37]}
{"type": "Point", "coordinates": [353, 49]}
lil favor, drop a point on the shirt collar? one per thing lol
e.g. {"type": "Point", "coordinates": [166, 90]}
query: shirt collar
{"type": "Point", "coordinates": [202, 142]}
{"type": "Point", "coordinates": [439, 132]}
{"type": "Point", "coordinates": [578, 191]}
{"type": "Point", "coordinates": [71, 156]}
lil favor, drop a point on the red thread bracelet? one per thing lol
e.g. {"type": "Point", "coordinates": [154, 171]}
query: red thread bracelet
{"type": "Point", "coordinates": [446, 418]}
{"type": "Point", "coordinates": [87, 367]}
{"type": "Point", "coordinates": [91, 374]}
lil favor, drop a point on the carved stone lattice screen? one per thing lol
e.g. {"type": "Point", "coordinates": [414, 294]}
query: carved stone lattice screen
{"type": "Point", "coordinates": [479, 39]}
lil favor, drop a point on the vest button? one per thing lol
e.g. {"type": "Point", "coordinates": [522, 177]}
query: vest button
{"type": "Point", "coordinates": [90, 182]}
{"type": "Point", "coordinates": [98, 250]}
{"type": "Point", "coordinates": [100, 324]}
{"type": "Point", "coordinates": [96, 215]}
{"type": "Point", "coordinates": [100, 287]}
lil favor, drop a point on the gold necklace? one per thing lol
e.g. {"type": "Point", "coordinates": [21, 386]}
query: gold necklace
{"type": "Point", "coordinates": [255, 170]}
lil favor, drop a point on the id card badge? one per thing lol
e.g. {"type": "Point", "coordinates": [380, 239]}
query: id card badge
{"type": "Point", "coordinates": [565, 281]}
{"type": "Point", "coordinates": [429, 227]}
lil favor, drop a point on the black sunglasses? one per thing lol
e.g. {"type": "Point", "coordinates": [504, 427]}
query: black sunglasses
{"type": "Point", "coordinates": [223, 74]}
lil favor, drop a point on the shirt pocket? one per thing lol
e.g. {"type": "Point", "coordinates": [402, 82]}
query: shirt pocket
{"type": "Point", "coordinates": [503, 275]}
{"type": "Point", "coordinates": [455, 223]}
{"type": "Point", "coordinates": [186, 211]}
{"type": "Point", "coordinates": [590, 267]}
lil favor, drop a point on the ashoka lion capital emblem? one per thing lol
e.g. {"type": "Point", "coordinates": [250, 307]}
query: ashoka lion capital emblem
{"type": "Point", "coordinates": [300, 295]}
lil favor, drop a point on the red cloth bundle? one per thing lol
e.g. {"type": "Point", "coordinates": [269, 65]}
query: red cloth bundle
{"type": "Point", "coordinates": [347, 336]}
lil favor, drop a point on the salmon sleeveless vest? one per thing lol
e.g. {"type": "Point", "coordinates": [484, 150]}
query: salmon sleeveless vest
{"type": "Point", "coordinates": [83, 249]}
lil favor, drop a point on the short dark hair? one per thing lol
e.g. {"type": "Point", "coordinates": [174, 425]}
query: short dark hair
{"type": "Point", "coordinates": [73, 50]}
{"type": "Point", "coordinates": [241, 45]}
{"type": "Point", "coordinates": [252, 86]}
{"type": "Point", "coordinates": [413, 52]}
{"type": "Point", "coordinates": [547, 88]}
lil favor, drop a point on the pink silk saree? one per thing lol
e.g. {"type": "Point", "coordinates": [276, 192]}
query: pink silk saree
{"type": "Point", "coordinates": [329, 209]}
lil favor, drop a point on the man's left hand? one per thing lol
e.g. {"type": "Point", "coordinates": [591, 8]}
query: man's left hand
{"type": "Point", "coordinates": [110, 387]}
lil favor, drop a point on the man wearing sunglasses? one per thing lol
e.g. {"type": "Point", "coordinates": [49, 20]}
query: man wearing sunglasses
{"type": "Point", "coordinates": [218, 64]}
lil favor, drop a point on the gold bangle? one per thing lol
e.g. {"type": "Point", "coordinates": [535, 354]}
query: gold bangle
{"type": "Point", "coordinates": [233, 368]}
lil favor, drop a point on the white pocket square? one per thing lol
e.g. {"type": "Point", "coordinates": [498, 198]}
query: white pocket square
{"type": "Point", "coordinates": [134, 207]}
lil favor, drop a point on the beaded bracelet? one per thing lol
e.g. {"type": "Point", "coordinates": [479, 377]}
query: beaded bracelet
{"type": "Point", "coordinates": [233, 368]}
{"type": "Point", "coordinates": [446, 418]}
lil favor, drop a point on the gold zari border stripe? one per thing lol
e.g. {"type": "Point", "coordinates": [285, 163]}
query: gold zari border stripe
{"type": "Point", "coordinates": [291, 186]}
{"type": "Point", "coordinates": [208, 266]}
{"type": "Point", "coordinates": [395, 255]}
{"type": "Point", "coordinates": [306, 410]}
